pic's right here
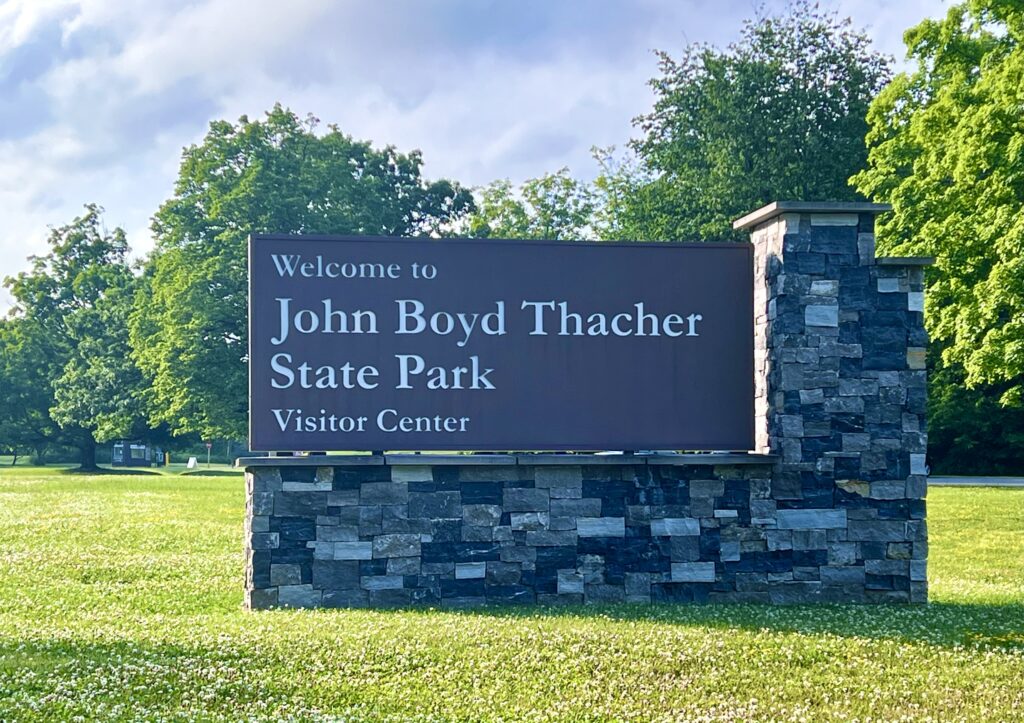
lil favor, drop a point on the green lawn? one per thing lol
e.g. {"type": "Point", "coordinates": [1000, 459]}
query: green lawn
{"type": "Point", "coordinates": [120, 598]}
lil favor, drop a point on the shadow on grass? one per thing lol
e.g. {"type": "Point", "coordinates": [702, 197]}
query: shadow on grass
{"type": "Point", "coordinates": [946, 624]}
{"type": "Point", "coordinates": [105, 471]}
{"type": "Point", "coordinates": [212, 473]}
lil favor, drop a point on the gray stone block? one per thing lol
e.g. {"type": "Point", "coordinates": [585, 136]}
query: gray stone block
{"type": "Point", "coordinates": [877, 531]}
{"type": "Point", "coordinates": [821, 315]}
{"type": "Point", "coordinates": [396, 546]}
{"type": "Point", "coordinates": [503, 573]}
{"type": "Point", "coordinates": [590, 507]}
{"type": "Point", "coordinates": [730, 551]}
{"type": "Point", "coordinates": [470, 570]}
{"type": "Point", "coordinates": [919, 570]}
{"type": "Point", "coordinates": [285, 574]}
{"type": "Point", "coordinates": [477, 534]}
{"type": "Point", "coordinates": [842, 575]}
{"type": "Point", "coordinates": [842, 553]}
{"type": "Point", "coordinates": [530, 520]}
{"type": "Point", "coordinates": [337, 533]}
{"type": "Point", "coordinates": [298, 596]}
{"type": "Point", "coordinates": [551, 538]}
{"type": "Point", "coordinates": [381, 582]}
{"type": "Point", "coordinates": [675, 526]}
{"type": "Point", "coordinates": [570, 582]}
{"type": "Point", "coordinates": [792, 593]}
{"type": "Point", "coordinates": [353, 550]}
{"type": "Point", "coordinates": [384, 493]}
{"type": "Point", "coordinates": [558, 476]}
{"type": "Point", "coordinates": [603, 593]}
{"type": "Point", "coordinates": [811, 519]}
{"type": "Point", "coordinates": [601, 526]}
{"type": "Point", "coordinates": [404, 566]}
{"type": "Point", "coordinates": [887, 567]}
{"type": "Point", "coordinates": [693, 572]}
{"type": "Point", "coordinates": [412, 473]}
{"type": "Point", "coordinates": [481, 515]}
{"type": "Point", "coordinates": [343, 498]}
{"type": "Point", "coordinates": [526, 499]}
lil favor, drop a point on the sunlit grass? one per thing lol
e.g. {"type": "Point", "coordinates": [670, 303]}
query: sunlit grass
{"type": "Point", "coordinates": [120, 598]}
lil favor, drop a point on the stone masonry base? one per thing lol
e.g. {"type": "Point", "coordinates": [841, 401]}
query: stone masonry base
{"type": "Point", "coordinates": [445, 535]}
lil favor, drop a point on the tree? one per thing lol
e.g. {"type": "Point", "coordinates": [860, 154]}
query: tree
{"type": "Point", "coordinates": [553, 206]}
{"type": "Point", "coordinates": [66, 341]}
{"type": "Point", "coordinates": [778, 115]}
{"type": "Point", "coordinates": [26, 394]}
{"type": "Point", "coordinates": [947, 151]}
{"type": "Point", "coordinates": [188, 329]}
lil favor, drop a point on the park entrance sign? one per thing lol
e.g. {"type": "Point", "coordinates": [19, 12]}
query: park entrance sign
{"type": "Point", "coordinates": [363, 343]}
{"type": "Point", "coordinates": [522, 348]}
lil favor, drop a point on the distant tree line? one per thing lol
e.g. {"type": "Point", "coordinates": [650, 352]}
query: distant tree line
{"type": "Point", "coordinates": [799, 107]}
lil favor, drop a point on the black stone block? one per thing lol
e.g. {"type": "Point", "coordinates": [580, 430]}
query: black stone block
{"type": "Point", "coordinates": [291, 555]}
{"type": "Point", "coordinates": [679, 592]}
{"type": "Point", "coordinates": [373, 567]}
{"type": "Point", "coordinates": [879, 582]}
{"type": "Point", "coordinates": [874, 550]}
{"type": "Point", "coordinates": [509, 594]}
{"type": "Point", "coordinates": [850, 367]}
{"type": "Point", "coordinates": [435, 504]}
{"type": "Point", "coordinates": [481, 493]}
{"type": "Point", "coordinates": [848, 422]}
{"type": "Point", "coordinates": [884, 361]}
{"type": "Point", "coordinates": [298, 474]}
{"type": "Point", "coordinates": [894, 301]}
{"type": "Point", "coordinates": [462, 588]}
{"type": "Point", "coordinates": [809, 558]}
{"type": "Point", "coordinates": [460, 551]}
{"type": "Point", "coordinates": [446, 477]}
{"type": "Point", "coordinates": [446, 530]}
{"type": "Point", "coordinates": [555, 558]}
{"type": "Point", "coordinates": [870, 320]}
{"type": "Point", "coordinates": [294, 529]}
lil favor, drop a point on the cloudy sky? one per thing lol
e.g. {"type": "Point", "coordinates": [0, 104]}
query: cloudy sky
{"type": "Point", "coordinates": [98, 97]}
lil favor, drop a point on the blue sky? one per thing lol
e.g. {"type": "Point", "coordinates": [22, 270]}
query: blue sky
{"type": "Point", "coordinates": [98, 97]}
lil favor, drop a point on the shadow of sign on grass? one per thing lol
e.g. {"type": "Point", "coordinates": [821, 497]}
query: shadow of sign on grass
{"type": "Point", "coordinates": [943, 624]}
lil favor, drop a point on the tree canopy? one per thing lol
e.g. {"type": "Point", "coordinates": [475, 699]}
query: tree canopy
{"type": "Point", "coordinates": [64, 348]}
{"type": "Point", "coordinates": [947, 151]}
{"type": "Point", "coordinates": [778, 115]}
{"type": "Point", "coordinates": [553, 206]}
{"type": "Point", "coordinates": [273, 175]}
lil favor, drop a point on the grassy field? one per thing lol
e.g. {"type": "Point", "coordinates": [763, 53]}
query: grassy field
{"type": "Point", "coordinates": [120, 598]}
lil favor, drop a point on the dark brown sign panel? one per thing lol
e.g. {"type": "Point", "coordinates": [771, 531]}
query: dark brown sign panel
{"type": "Point", "coordinates": [361, 343]}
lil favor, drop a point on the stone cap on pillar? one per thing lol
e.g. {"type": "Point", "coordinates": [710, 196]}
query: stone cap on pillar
{"type": "Point", "coordinates": [777, 208]}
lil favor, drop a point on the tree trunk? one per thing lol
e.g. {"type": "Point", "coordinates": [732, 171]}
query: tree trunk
{"type": "Point", "coordinates": [14, 457]}
{"type": "Point", "coordinates": [88, 452]}
{"type": "Point", "coordinates": [40, 456]}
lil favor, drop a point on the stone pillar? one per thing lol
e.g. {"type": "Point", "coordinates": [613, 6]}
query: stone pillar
{"type": "Point", "coordinates": [840, 390]}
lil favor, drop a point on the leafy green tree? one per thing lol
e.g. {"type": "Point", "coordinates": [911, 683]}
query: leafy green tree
{"type": "Point", "coordinates": [778, 115]}
{"type": "Point", "coordinates": [276, 175]}
{"type": "Point", "coordinates": [622, 198]}
{"type": "Point", "coordinates": [67, 339]}
{"type": "Point", "coordinates": [26, 394]}
{"type": "Point", "coordinates": [947, 151]}
{"type": "Point", "coordinates": [553, 206]}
